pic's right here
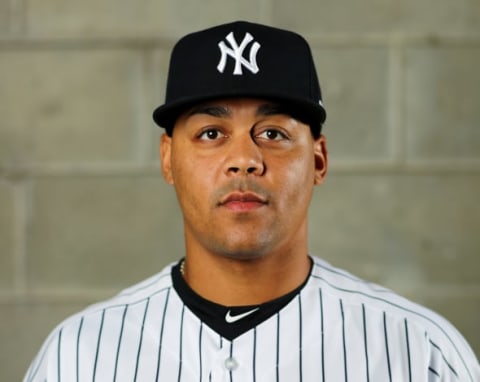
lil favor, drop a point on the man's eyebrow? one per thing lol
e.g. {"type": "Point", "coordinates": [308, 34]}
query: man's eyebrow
{"type": "Point", "coordinates": [220, 111]}
{"type": "Point", "coordinates": [212, 110]}
{"type": "Point", "coordinates": [271, 109]}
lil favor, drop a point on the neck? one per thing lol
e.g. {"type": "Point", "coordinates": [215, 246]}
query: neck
{"type": "Point", "coordinates": [233, 282]}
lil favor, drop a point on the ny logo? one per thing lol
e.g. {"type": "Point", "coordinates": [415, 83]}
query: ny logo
{"type": "Point", "coordinates": [236, 52]}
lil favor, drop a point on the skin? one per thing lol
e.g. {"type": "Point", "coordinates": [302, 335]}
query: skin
{"type": "Point", "coordinates": [244, 173]}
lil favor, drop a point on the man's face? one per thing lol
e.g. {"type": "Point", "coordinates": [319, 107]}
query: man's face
{"type": "Point", "coordinates": [244, 173]}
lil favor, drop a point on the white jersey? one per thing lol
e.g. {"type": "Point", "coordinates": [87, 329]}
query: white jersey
{"type": "Point", "coordinates": [337, 328]}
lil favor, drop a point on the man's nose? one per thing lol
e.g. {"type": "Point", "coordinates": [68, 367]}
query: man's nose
{"type": "Point", "coordinates": [244, 157]}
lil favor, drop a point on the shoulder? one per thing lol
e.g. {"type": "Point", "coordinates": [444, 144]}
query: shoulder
{"type": "Point", "coordinates": [354, 292]}
{"type": "Point", "coordinates": [133, 298]}
{"type": "Point", "coordinates": [129, 306]}
{"type": "Point", "coordinates": [400, 316]}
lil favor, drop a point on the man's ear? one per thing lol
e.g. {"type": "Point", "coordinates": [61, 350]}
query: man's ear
{"type": "Point", "coordinates": [165, 157]}
{"type": "Point", "coordinates": [321, 159]}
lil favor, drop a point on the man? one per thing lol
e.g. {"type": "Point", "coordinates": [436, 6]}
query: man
{"type": "Point", "coordinates": [243, 149]}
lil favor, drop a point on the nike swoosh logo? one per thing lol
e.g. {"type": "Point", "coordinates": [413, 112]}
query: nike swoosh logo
{"type": "Point", "coordinates": [231, 319]}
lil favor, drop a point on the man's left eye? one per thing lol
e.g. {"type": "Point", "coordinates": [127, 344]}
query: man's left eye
{"type": "Point", "coordinates": [272, 135]}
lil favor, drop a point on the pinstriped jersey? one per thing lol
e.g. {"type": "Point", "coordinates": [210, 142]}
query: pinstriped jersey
{"type": "Point", "coordinates": [337, 328]}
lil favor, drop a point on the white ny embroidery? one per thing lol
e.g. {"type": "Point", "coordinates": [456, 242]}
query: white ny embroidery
{"type": "Point", "coordinates": [236, 52]}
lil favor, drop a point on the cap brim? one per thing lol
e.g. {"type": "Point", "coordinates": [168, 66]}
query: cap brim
{"type": "Point", "coordinates": [308, 112]}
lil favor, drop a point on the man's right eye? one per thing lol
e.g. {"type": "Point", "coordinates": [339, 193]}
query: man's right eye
{"type": "Point", "coordinates": [211, 134]}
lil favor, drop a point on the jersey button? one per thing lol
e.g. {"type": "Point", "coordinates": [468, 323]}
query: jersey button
{"type": "Point", "coordinates": [231, 364]}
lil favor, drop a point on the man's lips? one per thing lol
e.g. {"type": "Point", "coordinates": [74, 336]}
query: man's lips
{"type": "Point", "coordinates": [242, 201]}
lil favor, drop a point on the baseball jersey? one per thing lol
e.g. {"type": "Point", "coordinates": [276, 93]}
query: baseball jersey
{"type": "Point", "coordinates": [334, 327]}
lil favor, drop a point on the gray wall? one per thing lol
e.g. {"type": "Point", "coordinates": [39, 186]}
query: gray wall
{"type": "Point", "coordinates": [84, 211]}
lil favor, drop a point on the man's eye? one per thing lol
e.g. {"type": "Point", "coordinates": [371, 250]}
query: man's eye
{"type": "Point", "coordinates": [272, 135]}
{"type": "Point", "coordinates": [211, 134]}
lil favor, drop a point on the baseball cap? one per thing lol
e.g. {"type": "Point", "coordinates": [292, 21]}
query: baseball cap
{"type": "Point", "coordinates": [243, 59]}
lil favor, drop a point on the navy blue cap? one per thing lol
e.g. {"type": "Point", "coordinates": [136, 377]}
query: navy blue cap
{"type": "Point", "coordinates": [243, 59]}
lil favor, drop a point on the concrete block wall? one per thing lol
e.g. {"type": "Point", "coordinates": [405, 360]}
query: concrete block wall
{"type": "Point", "coordinates": [84, 211]}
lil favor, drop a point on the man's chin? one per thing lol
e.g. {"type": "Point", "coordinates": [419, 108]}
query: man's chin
{"type": "Point", "coordinates": [243, 255]}
{"type": "Point", "coordinates": [242, 252]}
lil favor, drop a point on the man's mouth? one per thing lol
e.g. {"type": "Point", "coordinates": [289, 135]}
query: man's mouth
{"type": "Point", "coordinates": [243, 201]}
